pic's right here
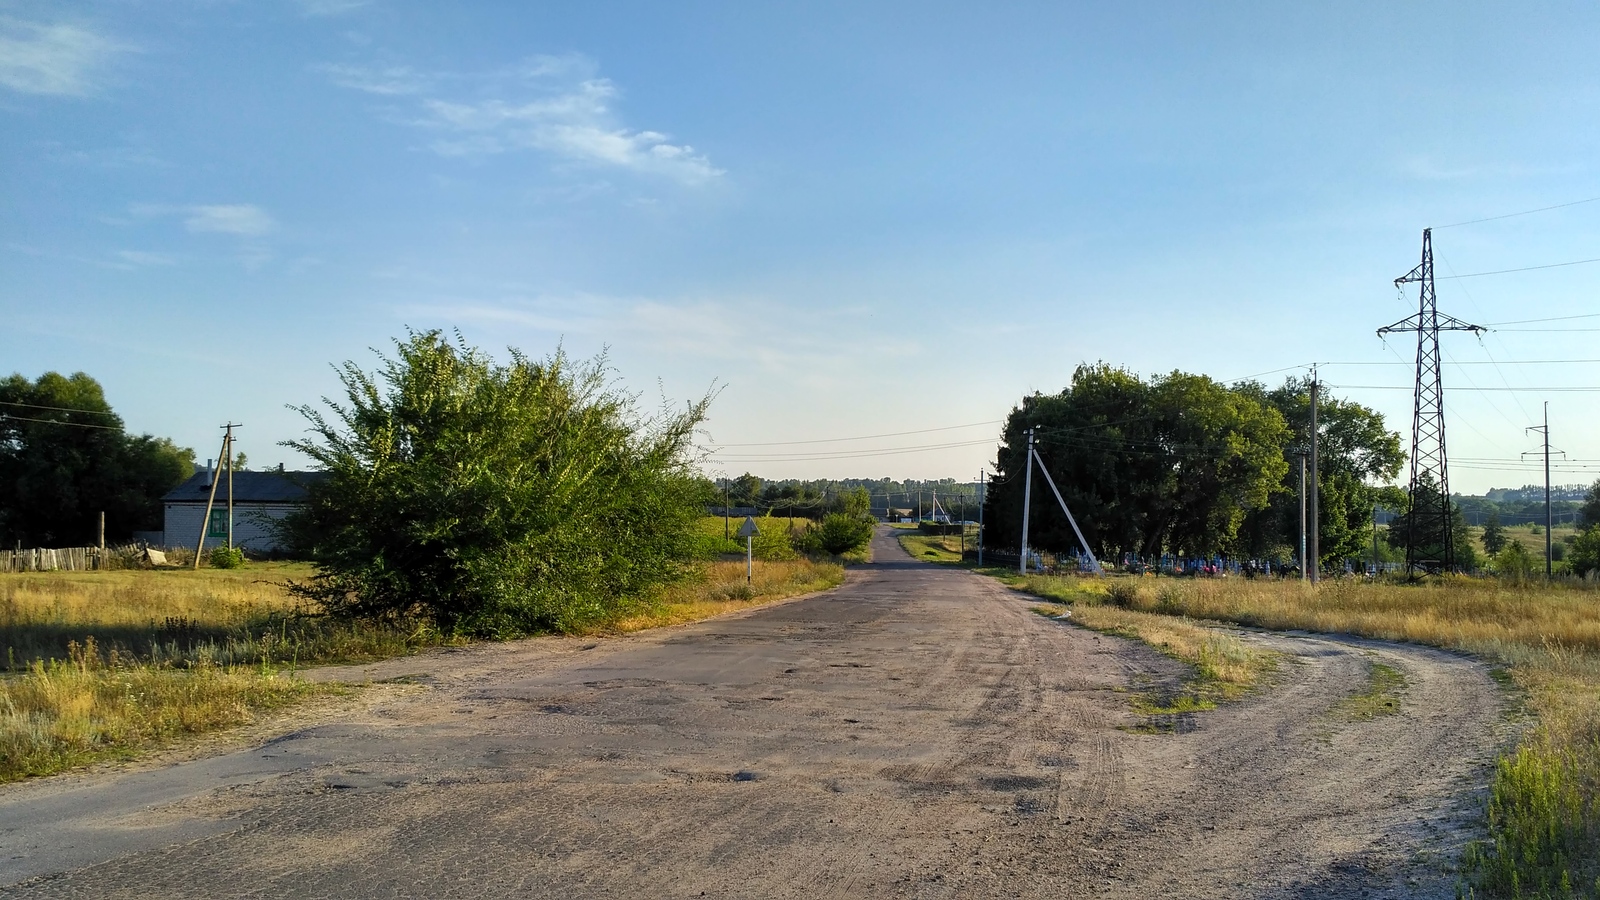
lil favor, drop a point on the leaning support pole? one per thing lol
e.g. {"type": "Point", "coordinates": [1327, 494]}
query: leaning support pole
{"type": "Point", "coordinates": [1027, 501]}
{"type": "Point", "coordinates": [1075, 529]}
{"type": "Point", "coordinates": [205, 520]}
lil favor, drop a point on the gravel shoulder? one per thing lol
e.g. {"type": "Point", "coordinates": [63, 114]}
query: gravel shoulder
{"type": "Point", "coordinates": [917, 732]}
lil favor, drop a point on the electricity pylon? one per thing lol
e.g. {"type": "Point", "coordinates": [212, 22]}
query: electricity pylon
{"type": "Point", "coordinates": [1430, 546]}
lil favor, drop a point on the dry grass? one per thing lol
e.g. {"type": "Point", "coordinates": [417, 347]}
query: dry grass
{"type": "Point", "coordinates": [723, 589]}
{"type": "Point", "coordinates": [105, 664]}
{"type": "Point", "coordinates": [64, 713]}
{"type": "Point", "coordinates": [1225, 667]}
{"type": "Point", "coordinates": [1544, 812]}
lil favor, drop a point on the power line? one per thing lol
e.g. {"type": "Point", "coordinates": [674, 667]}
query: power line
{"type": "Point", "coordinates": [1552, 319]}
{"type": "Point", "coordinates": [1576, 262]}
{"type": "Point", "coordinates": [1526, 212]}
{"type": "Point", "coordinates": [94, 412]}
{"type": "Point", "coordinates": [864, 437]}
{"type": "Point", "coordinates": [7, 417]}
{"type": "Point", "coordinates": [1397, 387]}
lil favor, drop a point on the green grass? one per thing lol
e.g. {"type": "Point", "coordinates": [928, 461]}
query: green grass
{"type": "Point", "coordinates": [1380, 697]}
{"type": "Point", "coordinates": [932, 548]}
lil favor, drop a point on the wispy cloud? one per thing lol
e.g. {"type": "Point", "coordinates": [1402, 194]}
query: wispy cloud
{"type": "Point", "coordinates": [331, 7]}
{"type": "Point", "coordinates": [58, 59]}
{"type": "Point", "coordinates": [555, 105]}
{"type": "Point", "coordinates": [243, 218]}
{"type": "Point", "coordinates": [800, 345]}
{"type": "Point", "coordinates": [146, 258]}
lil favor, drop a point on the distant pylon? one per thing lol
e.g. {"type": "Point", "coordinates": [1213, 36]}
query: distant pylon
{"type": "Point", "coordinates": [1430, 546]}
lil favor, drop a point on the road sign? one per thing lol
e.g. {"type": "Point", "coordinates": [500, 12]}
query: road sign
{"type": "Point", "coordinates": [749, 529]}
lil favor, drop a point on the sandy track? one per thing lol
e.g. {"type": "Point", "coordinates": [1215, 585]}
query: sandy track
{"type": "Point", "coordinates": [916, 733]}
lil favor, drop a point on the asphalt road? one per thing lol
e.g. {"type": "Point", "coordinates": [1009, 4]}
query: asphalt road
{"type": "Point", "coordinates": [915, 733]}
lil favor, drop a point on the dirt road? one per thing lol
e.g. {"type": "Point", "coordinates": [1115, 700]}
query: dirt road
{"type": "Point", "coordinates": [916, 733]}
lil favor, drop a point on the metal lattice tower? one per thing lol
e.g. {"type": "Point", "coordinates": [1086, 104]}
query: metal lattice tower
{"type": "Point", "coordinates": [1430, 546]}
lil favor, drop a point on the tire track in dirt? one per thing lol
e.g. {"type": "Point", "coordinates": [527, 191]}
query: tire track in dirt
{"type": "Point", "coordinates": [915, 733]}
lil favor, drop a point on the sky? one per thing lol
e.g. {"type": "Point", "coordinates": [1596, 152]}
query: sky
{"type": "Point", "coordinates": [869, 229]}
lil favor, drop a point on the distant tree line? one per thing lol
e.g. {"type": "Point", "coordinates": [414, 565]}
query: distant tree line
{"type": "Point", "coordinates": [1183, 464]}
{"type": "Point", "coordinates": [815, 498]}
{"type": "Point", "coordinates": [65, 459]}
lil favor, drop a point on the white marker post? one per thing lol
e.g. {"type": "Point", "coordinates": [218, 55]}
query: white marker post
{"type": "Point", "coordinates": [748, 531]}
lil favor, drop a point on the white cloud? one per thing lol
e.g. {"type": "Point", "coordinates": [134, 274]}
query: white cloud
{"type": "Point", "coordinates": [550, 104]}
{"type": "Point", "coordinates": [331, 7]}
{"type": "Point", "coordinates": [60, 60]}
{"type": "Point", "coordinates": [146, 258]}
{"type": "Point", "coordinates": [242, 218]}
{"type": "Point", "coordinates": [384, 80]}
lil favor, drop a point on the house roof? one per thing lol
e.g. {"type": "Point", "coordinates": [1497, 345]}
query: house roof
{"type": "Point", "coordinates": [248, 487]}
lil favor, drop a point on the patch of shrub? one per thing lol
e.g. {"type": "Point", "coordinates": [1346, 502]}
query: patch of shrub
{"type": "Point", "coordinates": [839, 533]}
{"type": "Point", "coordinates": [494, 500]}
{"type": "Point", "coordinates": [225, 558]}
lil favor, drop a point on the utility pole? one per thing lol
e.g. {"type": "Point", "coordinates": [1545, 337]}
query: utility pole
{"type": "Point", "coordinates": [211, 499]}
{"type": "Point", "coordinates": [1302, 516]}
{"type": "Point", "coordinates": [1428, 519]}
{"type": "Point", "coordinates": [230, 486]}
{"type": "Point", "coordinates": [1374, 540]}
{"type": "Point", "coordinates": [725, 534]}
{"type": "Point", "coordinates": [1549, 558]}
{"type": "Point", "coordinates": [1027, 501]}
{"type": "Point", "coordinates": [980, 518]}
{"type": "Point", "coordinates": [1316, 520]}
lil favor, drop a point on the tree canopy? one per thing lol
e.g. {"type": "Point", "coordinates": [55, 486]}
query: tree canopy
{"type": "Point", "coordinates": [65, 458]}
{"type": "Point", "coordinates": [1174, 463]}
{"type": "Point", "coordinates": [494, 499]}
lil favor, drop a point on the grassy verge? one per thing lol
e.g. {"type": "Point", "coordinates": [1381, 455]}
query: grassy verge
{"type": "Point", "coordinates": [932, 548]}
{"type": "Point", "coordinates": [1223, 667]}
{"type": "Point", "coordinates": [1544, 809]}
{"type": "Point", "coordinates": [723, 589]}
{"type": "Point", "coordinates": [65, 713]}
{"type": "Point", "coordinates": [107, 664]}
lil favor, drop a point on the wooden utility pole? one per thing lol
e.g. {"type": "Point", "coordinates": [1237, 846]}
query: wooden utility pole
{"type": "Point", "coordinates": [211, 499]}
{"type": "Point", "coordinates": [1316, 518]}
{"type": "Point", "coordinates": [980, 518]}
{"type": "Point", "coordinates": [102, 531]}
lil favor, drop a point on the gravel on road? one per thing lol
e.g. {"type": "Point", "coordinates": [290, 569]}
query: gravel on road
{"type": "Point", "coordinates": [917, 732]}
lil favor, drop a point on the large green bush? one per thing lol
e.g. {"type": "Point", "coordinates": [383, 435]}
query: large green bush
{"type": "Point", "coordinates": [838, 534]}
{"type": "Point", "coordinates": [493, 499]}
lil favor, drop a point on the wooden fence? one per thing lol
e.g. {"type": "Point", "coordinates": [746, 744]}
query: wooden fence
{"type": "Point", "coordinates": [65, 559]}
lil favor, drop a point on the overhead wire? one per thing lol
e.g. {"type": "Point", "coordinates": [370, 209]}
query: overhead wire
{"type": "Point", "coordinates": [8, 417]}
{"type": "Point", "coordinates": [1526, 212]}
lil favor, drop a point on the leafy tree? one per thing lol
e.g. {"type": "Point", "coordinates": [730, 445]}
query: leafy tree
{"type": "Point", "coordinates": [1589, 509]}
{"type": "Point", "coordinates": [1583, 551]}
{"type": "Point", "coordinates": [745, 490]}
{"type": "Point", "coordinates": [64, 459]}
{"type": "Point", "coordinates": [1429, 535]}
{"type": "Point", "coordinates": [1515, 561]}
{"type": "Point", "coordinates": [1494, 536]}
{"type": "Point", "coordinates": [1172, 464]}
{"type": "Point", "coordinates": [1356, 454]}
{"type": "Point", "coordinates": [494, 499]}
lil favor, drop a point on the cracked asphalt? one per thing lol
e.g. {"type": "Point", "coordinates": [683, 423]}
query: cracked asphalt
{"type": "Point", "coordinates": [917, 732]}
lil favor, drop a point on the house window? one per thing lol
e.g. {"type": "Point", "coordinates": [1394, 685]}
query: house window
{"type": "Point", "coordinates": [219, 524]}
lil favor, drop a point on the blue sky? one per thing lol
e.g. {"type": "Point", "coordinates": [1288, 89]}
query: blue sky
{"type": "Point", "coordinates": [852, 219]}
